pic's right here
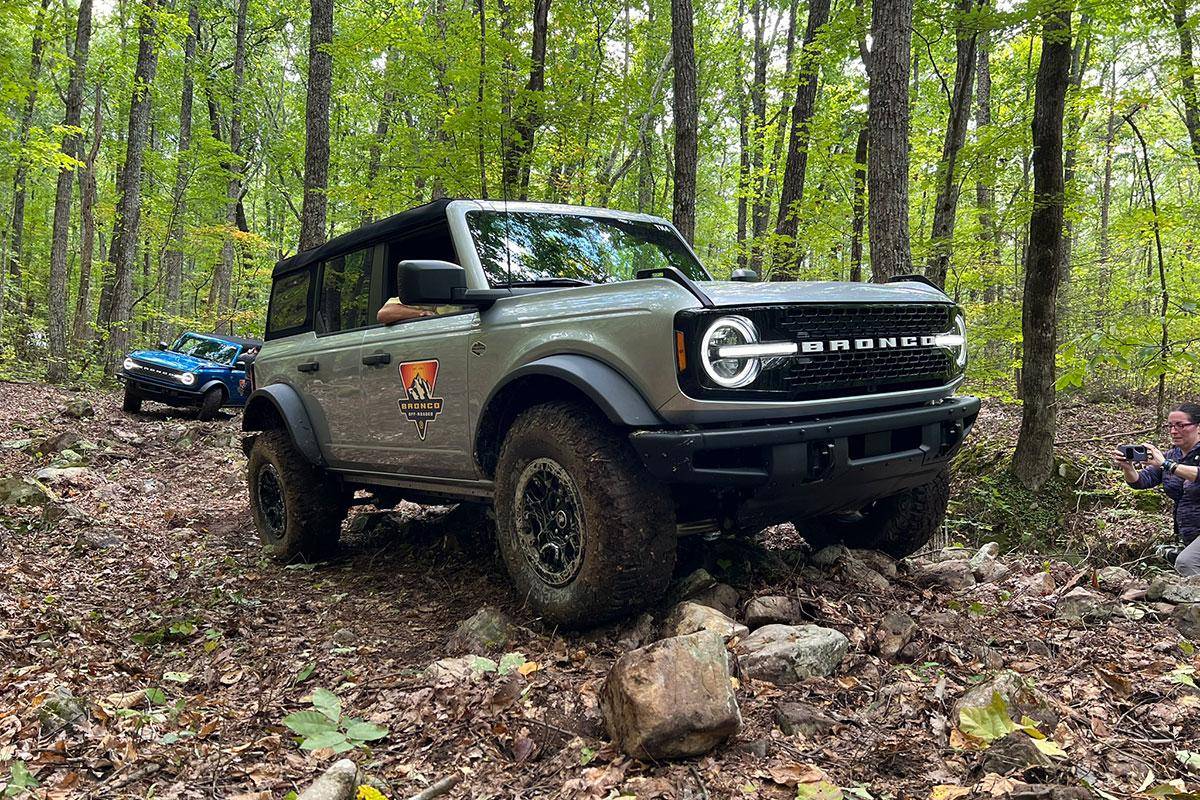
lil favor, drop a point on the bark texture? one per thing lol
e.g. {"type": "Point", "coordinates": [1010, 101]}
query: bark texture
{"type": "Point", "coordinates": [887, 148]}
{"type": "Point", "coordinates": [683, 210]}
{"type": "Point", "coordinates": [1187, 76]}
{"type": "Point", "coordinates": [1033, 459]}
{"type": "Point", "coordinates": [314, 213]}
{"type": "Point", "coordinates": [172, 261]}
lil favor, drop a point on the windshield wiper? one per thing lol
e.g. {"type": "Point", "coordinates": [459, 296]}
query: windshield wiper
{"type": "Point", "coordinates": [552, 282]}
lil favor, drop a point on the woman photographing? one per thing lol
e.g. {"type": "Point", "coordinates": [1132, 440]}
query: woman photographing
{"type": "Point", "coordinates": [1177, 470]}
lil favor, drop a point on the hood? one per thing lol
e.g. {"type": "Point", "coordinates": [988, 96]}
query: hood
{"type": "Point", "coordinates": [167, 358]}
{"type": "Point", "coordinates": [766, 293]}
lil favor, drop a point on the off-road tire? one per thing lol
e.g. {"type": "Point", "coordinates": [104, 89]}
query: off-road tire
{"type": "Point", "coordinates": [210, 404]}
{"type": "Point", "coordinates": [132, 402]}
{"type": "Point", "coordinates": [898, 525]}
{"type": "Point", "coordinates": [313, 506]}
{"type": "Point", "coordinates": [628, 520]}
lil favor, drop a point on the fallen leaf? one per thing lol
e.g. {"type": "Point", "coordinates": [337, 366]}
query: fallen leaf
{"type": "Point", "coordinates": [948, 791]}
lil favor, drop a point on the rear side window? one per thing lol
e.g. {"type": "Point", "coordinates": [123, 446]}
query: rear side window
{"type": "Point", "coordinates": [289, 304]}
{"type": "Point", "coordinates": [345, 297]}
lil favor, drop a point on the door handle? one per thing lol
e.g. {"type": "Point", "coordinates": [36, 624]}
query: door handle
{"type": "Point", "coordinates": [377, 359]}
{"type": "Point", "coordinates": [309, 366]}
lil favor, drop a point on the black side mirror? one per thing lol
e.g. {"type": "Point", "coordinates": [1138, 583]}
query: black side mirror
{"type": "Point", "coordinates": [744, 276]}
{"type": "Point", "coordinates": [242, 360]}
{"type": "Point", "coordinates": [164, 346]}
{"type": "Point", "coordinates": [434, 283]}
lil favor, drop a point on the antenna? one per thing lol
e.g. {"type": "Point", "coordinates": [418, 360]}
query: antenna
{"type": "Point", "coordinates": [504, 200]}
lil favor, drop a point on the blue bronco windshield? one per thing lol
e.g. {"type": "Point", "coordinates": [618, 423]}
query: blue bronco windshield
{"type": "Point", "coordinates": [205, 348]}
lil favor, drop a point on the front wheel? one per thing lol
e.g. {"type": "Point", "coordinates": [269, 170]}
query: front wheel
{"type": "Point", "coordinates": [297, 509]}
{"type": "Point", "coordinates": [898, 525]}
{"type": "Point", "coordinates": [132, 402]}
{"type": "Point", "coordinates": [586, 534]}
{"type": "Point", "coordinates": [210, 404]}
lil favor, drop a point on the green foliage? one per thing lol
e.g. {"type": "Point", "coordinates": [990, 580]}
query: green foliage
{"type": "Point", "coordinates": [327, 727]}
{"type": "Point", "coordinates": [20, 780]}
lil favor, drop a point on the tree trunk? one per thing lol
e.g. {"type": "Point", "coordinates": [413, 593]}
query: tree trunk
{"type": "Point", "coordinates": [792, 190]}
{"type": "Point", "coordinates": [125, 231]}
{"type": "Point", "coordinates": [313, 216]}
{"type": "Point", "coordinates": [1033, 459]}
{"type": "Point", "coordinates": [220, 289]}
{"type": "Point", "coordinates": [81, 329]}
{"type": "Point", "coordinates": [56, 313]}
{"type": "Point", "coordinates": [1187, 76]}
{"type": "Point", "coordinates": [744, 174]}
{"type": "Point", "coordinates": [172, 262]}
{"type": "Point", "coordinates": [945, 210]}
{"type": "Point", "coordinates": [1110, 138]}
{"type": "Point", "coordinates": [1080, 56]}
{"type": "Point", "coordinates": [686, 112]}
{"type": "Point", "coordinates": [16, 240]}
{"type": "Point", "coordinates": [887, 147]}
{"type": "Point", "coordinates": [984, 194]}
{"type": "Point", "coordinates": [757, 130]}
{"type": "Point", "coordinates": [860, 185]}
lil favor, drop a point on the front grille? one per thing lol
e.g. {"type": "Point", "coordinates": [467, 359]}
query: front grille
{"type": "Point", "coordinates": [141, 369]}
{"type": "Point", "coordinates": [836, 373]}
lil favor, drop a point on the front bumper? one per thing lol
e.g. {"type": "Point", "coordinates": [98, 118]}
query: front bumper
{"type": "Point", "coordinates": [163, 393]}
{"type": "Point", "coordinates": [790, 470]}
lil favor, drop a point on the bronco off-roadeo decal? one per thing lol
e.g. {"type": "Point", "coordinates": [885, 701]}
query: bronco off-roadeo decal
{"type": "Point", "coordinates": [419, 406]}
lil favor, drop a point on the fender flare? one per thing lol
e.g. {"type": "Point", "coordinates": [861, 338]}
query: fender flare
{"type": "Point", "coordinates": [611, 391]}
{"type": "Point", "coordinates": [214, 382]}
{"type": "Point", "coordinates": [285, 401]}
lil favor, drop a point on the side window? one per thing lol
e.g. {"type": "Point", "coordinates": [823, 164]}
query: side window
{"type": "Point", "coordinates": [345, 295]}
{"type": "Point", "coordinates": [433, 243]}
{"type": "Point", "coordinates": [289, 303]}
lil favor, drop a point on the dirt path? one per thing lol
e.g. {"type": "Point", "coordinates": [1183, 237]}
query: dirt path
{"type": "Point", "coordinates": [145, 575]}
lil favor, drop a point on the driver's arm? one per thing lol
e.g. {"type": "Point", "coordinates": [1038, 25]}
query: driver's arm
{"type": "Point", "coordinates": [395, 311]}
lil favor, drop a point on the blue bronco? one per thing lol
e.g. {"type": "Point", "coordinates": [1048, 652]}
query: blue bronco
{"type": "Point", "coordinates": [205, 371]}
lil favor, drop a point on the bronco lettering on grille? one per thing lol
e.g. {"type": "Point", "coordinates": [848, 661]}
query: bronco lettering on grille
{"type": "Point", "coordinates": [867, 343]}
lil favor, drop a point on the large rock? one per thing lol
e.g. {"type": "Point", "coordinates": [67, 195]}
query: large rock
{"type": "Point", "coordinates": [951, 575]}
{"type": "Point", "coordinates": [689, 617]}
{"type": "Point", "coordinates": [1013, 753]}
{"type": "Point", "coordinates": [826, 557]}
{"type": "Point", "coordinates": [986, 565]}
{"type": "Point", "coordinates": [721, 596]}
{"type": "Point", "coordinates": [857, 573]}
{"type": "Point", "coordinates": [1172, 588]}
{"type": "Point", "coordinates": [783, 654]}
{"type": "Point", "coordinates": [882, 563]}
{"type": "Point", "coordinates": [488, 630]}
{"type": "Point", "coordinates": [894, 631]}
{"type": "Point", "coordinates": [773, 610]}
{"type": "Point", "coordinates": [24, 492]}
{"type": "Point", "coordinates": [1040, 584]}
{"type": "Point", "coordinates": [66, 440]}
{"type": "Point", "coordinates": [1020, 696]}
{"type": "Point", "coordinates": [952, 553]}
{"type": "Point", "coordinates": [1084, 606]}
{"type": "Point", "coordinates": [78, 408]}
{"type": "Point", "coordinates": [691, 585]}
{"type": "Point", "coordinates": [339, 782]}
{"type": "Point", "coordinates": [453, 670]}
{"type": "Point", "coordinates": [65, 475]}
{"type": "Point", "coordinates": [1113, 579]}
{"type": "Point", "coordinates": [61, 710]}
{"type": "Point", "coordinates": [1187, 620]}
{"type": "Point", "coordinates": [803, 719]}
{"type": "Point", "coordinates": [672, 699]}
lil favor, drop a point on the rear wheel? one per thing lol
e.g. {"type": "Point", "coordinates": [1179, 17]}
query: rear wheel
{"type": "Point", "coordinates": [297, 509]}
{"type": "Point", "coordinates": [211, 402]}
{"type": "Point", "coordinates": [899, 525]}
{"type": "Point", "coordinates": [132, 401]}
{"type": "Point", "coordinates": [586, 534]}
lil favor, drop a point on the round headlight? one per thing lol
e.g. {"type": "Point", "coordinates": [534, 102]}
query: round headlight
{"type": "Point", "coordinates": [187, 378]}
{"type": "Point", "coordinates": [955, 341]}
{"type": "Point", "coordinates": [730, 373]}
{"type": "Point", "coordinates": [129, 364]}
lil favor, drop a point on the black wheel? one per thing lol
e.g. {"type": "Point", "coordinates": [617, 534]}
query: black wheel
{"type": "Point", "coordinates": [586, 534]}
{"type": "Point", "coordinates": [899, 525]}
{"type": "Point", "coordinates": [297, 509]}
{"type": "Point", "coordinates": [132, 401]}
{"type": "Point", "coordinates": [210, 404]}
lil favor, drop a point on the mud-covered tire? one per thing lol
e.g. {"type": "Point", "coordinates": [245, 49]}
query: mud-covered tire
{"type": "Point", "coordinates": [210, 404]}
{"type": "Point", "coordinates": [132, 401]}
{"type": "Point", "coordinates": [625, 550]}
{"type": "Point", "coordinates": [898, 525]}
{"type": "Point", "coordinates": [297, 509]}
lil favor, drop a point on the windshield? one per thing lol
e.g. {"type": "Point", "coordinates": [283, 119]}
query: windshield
{"type": "Point", "coordinates": [207, 349]}
{"type": "Point", "coordinates": [534, 247]}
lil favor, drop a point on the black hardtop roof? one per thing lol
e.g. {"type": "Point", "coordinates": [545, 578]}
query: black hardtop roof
{"type": "Point", "coordinates": [420, 217]}
{"type": "Point", "coordinates": [225, 337]}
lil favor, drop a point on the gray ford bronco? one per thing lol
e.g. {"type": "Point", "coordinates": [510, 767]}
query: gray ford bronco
{"type": "Point", "coordinates": [579, 369]}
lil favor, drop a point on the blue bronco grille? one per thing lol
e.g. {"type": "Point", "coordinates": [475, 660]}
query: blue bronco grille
{"type": "Point", "coordinates": [142, 369]}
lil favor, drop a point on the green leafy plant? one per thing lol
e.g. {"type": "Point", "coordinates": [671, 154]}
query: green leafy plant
{"type": "Point", "coordinates": [992, 722]}
{"type": "Point", "coordinates": [20, 780]}
{"type": "Point", "coordinates": [325, 726]}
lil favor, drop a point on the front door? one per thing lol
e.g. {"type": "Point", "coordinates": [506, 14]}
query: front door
{"type": "Point", "coordinates": [414, 382]}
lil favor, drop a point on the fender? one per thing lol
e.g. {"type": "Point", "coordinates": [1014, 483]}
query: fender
{"type": "Point", "coordinates": [603, 385]}
{"type": "Point", "coordinates": [214, 382]}
{"type": "Point", "coordinates": [282, 400]}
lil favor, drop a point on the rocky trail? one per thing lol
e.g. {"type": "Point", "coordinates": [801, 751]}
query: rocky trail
{"type": "Point", "coordinates": [147, 649]}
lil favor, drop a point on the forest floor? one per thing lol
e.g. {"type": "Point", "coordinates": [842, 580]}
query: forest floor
{"type": "Point", "coordinates": [147, 649]}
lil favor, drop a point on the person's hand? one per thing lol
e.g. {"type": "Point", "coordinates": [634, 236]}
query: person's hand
{"type": "Point", "coordinates": [1124, 465]}
{"type": "Point", "coordinates": [1154, 455]}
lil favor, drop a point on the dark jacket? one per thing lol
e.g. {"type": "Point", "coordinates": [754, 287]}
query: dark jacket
{"type": "Point", "coordinates": [1186, 494]}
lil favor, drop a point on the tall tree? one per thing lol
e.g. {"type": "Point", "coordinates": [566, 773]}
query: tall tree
{"type": "Point", "coordinates": [984, 192]}
{"type": "Point", "coordinates": [518, 152]}
{"type": "Point", "coordinates": [172, 261]}
{"type": "Point", "coordinates": [1033, 459]}
{"type": "Point", "coordinates": [687, 116]}
{"type": "Point", "coordinates": [1187, 75]}
{"type": "Point", "coordinates": [81, 330]}
{"type": "Point", "coordinates": [56, 367]}
{"type": "Point", "coordinates": [808, 73]}
{"type": "Point", "coordinates": [117, 307]}
{"type": "Point", "coordinates": [218, 298]}
{"type": "Point", "coordinates": [859, 214]}
{"type": "Point", "coordinates": [945, 210]}
{"type": "Point", "coordinates": [314, 216]}
{"type": "Point", "coordinates": [887, 130]}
